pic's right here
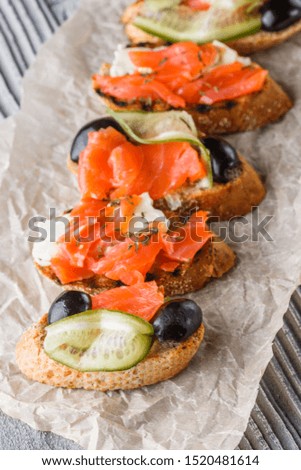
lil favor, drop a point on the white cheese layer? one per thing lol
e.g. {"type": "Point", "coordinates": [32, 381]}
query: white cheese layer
{"type": "Point", "coordinates": [145, 215]}
{"type": "Point", "coordinates": [174, 200]}
{"type": "Point", "coordinates": [44, 250]}
{"type": "Point", "coordinates": [228, 55]}
{"type": "Point", "coordinates": [226, 4]}
{"type": "Point", "coordinates": [202, 184]}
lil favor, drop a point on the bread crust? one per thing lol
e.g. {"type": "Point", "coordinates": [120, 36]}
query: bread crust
{"type": "Point", "coordinates": [244, 46]}
{"type": "Point", "coordinates": [162, 363]}
{"type": "Point", "coordinates": [264, 40]}
{"type": "Point", "coordinates": [212, 261]}
{"type": "Point", "coordinates": [245, 113]}
{"type": "Point", "coordinates": [225, 201]}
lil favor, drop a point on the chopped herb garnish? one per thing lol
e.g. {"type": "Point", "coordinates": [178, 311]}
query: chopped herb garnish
{"type": "Point", "coordinates": [145, 242]}
{"type": "Point", "coordinates": [114, 202]}
{"type": "Point", "coordinates": [147, 101]}
{"type": "Point", "coordinates": [163, 61]}
{"type": "Point", "coordinates": [100, 251]}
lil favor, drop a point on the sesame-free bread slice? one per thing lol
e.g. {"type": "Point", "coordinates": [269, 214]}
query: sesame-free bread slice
{"type": "Point", "coordinates": [213, 260]}
{"type": "Point", "coordinates": [245, 113]}
{"type": "Point", "coordinates": [224, 201]}
{"type": "Point", "coordinates": [244, 46]}
{"type": "Point", "coordinates": [163, 362]}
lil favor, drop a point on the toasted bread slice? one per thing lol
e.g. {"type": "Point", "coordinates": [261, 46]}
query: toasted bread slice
{"type": "Point", "coordinates": [245, 113]}
{"type": "Point", "coordinates": [212, 261]}
{"type": "Point", "coordinates": [163, 362]}
{"type": "Point", "coordinates": [225, 201]}
{"type": "Point", "coordinates": [244, 46]}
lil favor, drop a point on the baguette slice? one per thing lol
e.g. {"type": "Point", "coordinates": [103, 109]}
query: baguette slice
{"type": "Point", "coordinates": [244, 46]}
{"type": "Point", "coordinates": [163, 362]}
{"type": "Point", "coordinates": [224, 201]}
{"type": "Point", "coordinates": [245, 113]}
{"type": "Point", "coordinates": [212, 261]}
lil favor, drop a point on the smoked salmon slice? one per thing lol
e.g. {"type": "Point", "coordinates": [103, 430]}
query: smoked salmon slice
{"type": "Point", "coordinates": [198, 5]}
{"type": "Point", "coordinates": [137, 87]}
{"type": "Point", "coordinates": [65, 271]}
{"type": "Point", "coordinates": [125, 257]}
{"type": "Point", "coordinates": [127, 262]}
{"type": "Point", "coordinates": [88, 208]}
{"type": "Point", "coordinates": [96, 173]}
{"type": "Point", "coordinates": [183, 245]}
{"type": "Point", "coordinates": [128, 169]}
{"type": "Point", "coordinates": [180, 74]}
{"type": "Point", "coordinates": [167, 167]}
{"type": "Point", "coordinates": [142, 300]}
{"type": "Point", "coordinates": [126, 162]}
{"type": "Point", "coordinates": [219, 85]}
{"type": "Point", "coordinates": [184, 59]}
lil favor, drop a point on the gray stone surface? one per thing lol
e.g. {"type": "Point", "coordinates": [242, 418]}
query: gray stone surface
{"type": "Point", "coordinates": [17, 435]}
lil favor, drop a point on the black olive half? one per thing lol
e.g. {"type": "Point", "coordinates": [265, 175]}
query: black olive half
{"type": "Point", "coordinates": [224, 159]}
{"type": "Point", "coordinates": [277, 15]}
{"type": "Point", "coordinates": [81, 139]}
{"type": "Point", "coordinates": [69, 303]}
{"type": "Point", "coordinates": [177, 320]}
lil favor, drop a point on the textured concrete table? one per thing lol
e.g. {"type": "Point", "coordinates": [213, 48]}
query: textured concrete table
{"type": "Point", "coordinates": [275, 422]}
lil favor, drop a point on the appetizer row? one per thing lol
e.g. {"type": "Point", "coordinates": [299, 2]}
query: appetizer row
{"type": "Point", "coordinates": [137, 232]}
{"type": "Point", "coordinates": [151, 174]}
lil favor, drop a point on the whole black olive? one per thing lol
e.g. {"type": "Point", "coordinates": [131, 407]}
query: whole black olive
{"type": "Point", "coordinates": [295, 3]}
{"type": "Point", "coordinates": [69, 303]}
{"type": "Point", "coordinates": [81, 139]}
{"type": "Point", "coordinates": [177, 319]}
{"type": "Point", "coordinates": [224, 159]}
{"type": "Point", "coordinates": [280, 5]}
{"type": "Point", "coordinates": [277, 15]}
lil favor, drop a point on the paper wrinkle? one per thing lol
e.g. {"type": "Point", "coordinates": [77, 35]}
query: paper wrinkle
{"type": "Point", "coordinates": [209, 404]}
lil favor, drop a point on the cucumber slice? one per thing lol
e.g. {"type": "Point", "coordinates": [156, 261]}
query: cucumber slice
{"type": "Point", "coordinates": [157, 5]}
{"type": "Point", "coordinates": [154, 128]}
{"type": "Point", "coordinates": [99, 340]}
{"type": "Point", "coordinates": [180, 23]}
{"type": "Point", "coordinates": [161, 127]}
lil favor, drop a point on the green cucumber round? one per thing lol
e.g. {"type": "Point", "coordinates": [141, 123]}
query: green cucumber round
{"type": "Point", "coordinates": [178, 23]}
{"type": "Point", "coordinates": [99, 340]}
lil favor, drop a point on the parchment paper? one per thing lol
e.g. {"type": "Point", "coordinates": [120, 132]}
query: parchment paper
{"type": "Point", "coordinates": [208, 405]}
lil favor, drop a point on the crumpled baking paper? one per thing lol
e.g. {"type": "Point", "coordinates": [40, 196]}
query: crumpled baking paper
{"type": "Point", "coordinates": [208, 405]}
